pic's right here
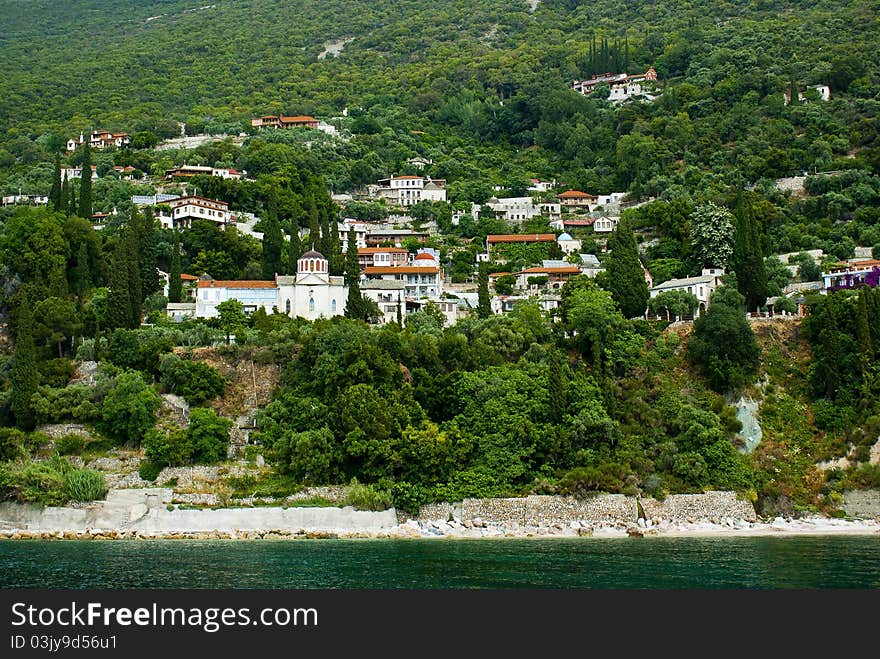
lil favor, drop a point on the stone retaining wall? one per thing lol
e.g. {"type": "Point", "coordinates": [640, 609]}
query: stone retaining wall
{"type": "Point", "coordinates": [710, 506]}
{"type": "Point", "coordinates": [863, 504]}
{"type": "Point", "coordinates": [538, 510]}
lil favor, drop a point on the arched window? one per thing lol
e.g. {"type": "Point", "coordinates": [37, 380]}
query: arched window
{"type": "Point", "coordinates": [333, 305]}
{"type": "Point", "coordinates": [311, 304]}
{"type": "Point", "coordinates": [311, 265]}
{"type": "Point", "coordinates": [287, 307]}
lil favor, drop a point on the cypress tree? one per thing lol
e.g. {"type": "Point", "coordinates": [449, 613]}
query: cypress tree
{"type": "Point", "coordinates": [175, 286]}
{"type": "Point", "coordinates": [85, 186]}
{"type": "Point", "coordinates": [484, 306]}
{"type": "Point", "coordinates": [399, 310]}
{"type": "Point", "coordinates": [24, 377]}
{"type": "Point", "coordinates": [147, 252]}
{"type": "Point", "coordinates": [119, 311]}
{"type": "Point", "coordinates": [135, 289]}
{"type": "Point", "coordinates": [81, 273]}
{"type": "Point", "coordinates": [64, 198]}
{"type": "Point", "coordinates": [294, 247]}
{"type": "Point", "coordinates": [55, 191]}
{"type": "Point", "coordinates": [863, 332]}
{"type": "Point", "coordinates": [354, 306]}
{"type": "Point", "coordinates": [624, 272]}
{"type": "Point", "coordinates": [748, 259]}
{"type": "Point", "coordinates": [272, 241]}
{"type": "Point", "coordinates": [73, 209]}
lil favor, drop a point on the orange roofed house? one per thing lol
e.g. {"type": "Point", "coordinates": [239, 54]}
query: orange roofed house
{"type": "Point", "coordinates": [280, 121]}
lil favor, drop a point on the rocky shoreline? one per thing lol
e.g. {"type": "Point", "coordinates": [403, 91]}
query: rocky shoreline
{"type": "Point", "coordinates": [452, 529]}
{"type": "Point", "coordinates": [150, 514]}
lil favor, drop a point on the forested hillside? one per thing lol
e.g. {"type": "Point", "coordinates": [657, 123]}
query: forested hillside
{"type": "Point", "coordinates": [486, 82]}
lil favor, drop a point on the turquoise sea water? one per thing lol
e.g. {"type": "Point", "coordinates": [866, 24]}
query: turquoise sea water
{"type": "Point", "coordinates": [671, 563]}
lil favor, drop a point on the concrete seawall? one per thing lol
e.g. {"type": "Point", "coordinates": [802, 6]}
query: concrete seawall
{"type": "Point", "coordinates": [145, 511]}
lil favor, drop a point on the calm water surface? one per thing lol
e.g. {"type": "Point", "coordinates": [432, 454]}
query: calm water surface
{"type": "Point", "coordinates": [670, 563]}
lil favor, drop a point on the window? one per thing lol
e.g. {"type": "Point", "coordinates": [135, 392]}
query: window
{"type": "Point", "coordinates": [287, 307]}
{"type": "Point", "coordinates": [311, 303]}
{"type": "Point", "coordinates": [333, 306]}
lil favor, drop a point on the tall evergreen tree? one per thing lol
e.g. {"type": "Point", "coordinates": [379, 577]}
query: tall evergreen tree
{"type": "Point", "coordinates": [484, 306]}
{"type": "Point", "coordinates": [354, 307]}
{"type": "Point", "coordinates": [132, 257]}
{"type": "Point", "coordinates": [863, 332]}
{"type": "Point", "coordinates": [64, 197]}
{"type": "Point", "coordinates": [81, 273]}
{"type": "Point", "coordinates": [294, 247]}
{"type": "Point", "coordinates": [24, 377]}
{"type": "Point", "coordinates": [748, 259]}
{"type": "Point", "coordinates": [625, 277]}
{"type": "Point", "coordinates": [55, 190]}
{"type": "Point", "coordinates": [85, 186]}
{"type": "Point", "coordinates": [119, 312]}
{"type": "Point", "coordinates": [73, 209]}
{"type": "Point", "coordinates": [147, 252]}
{"type": "Point", "coordinates": [273, 241]}
{"type": "Point", "coordinates": [175, 286]}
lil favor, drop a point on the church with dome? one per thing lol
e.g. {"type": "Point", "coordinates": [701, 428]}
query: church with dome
{"type": "Point", "coordinates": [311, 294]}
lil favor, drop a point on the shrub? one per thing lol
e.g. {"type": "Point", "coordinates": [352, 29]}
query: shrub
{"type": "Point", "coordinates": [582, 481]}
{"type": "Point", "coordinates": [39, 482]}
{"type": "Point", "coordinates": [208, 435]}
{"type": "Point", "coordinates": [409, 497]}
{"type": "Point", "coordinates": [129, 408]}
{"type": "Point", "coordinates": [167, 446]}
{"type": "Point", "coordinates": [12, 444]}
{"type": "Point", "coordinates": [195, 381]}
{"type": "Point", "coordinates": [71, 444]}
{"type": "Point", "coordinates": [367, 497]}
{"type": "Point", "coordinates": [149, 470]}
{"type": "Point", "coordinates": [84, 485]}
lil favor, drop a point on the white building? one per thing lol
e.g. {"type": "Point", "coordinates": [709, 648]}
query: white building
{"type": "Point", "coordinates": [313, 293]}
{"type": "Point", "coordinates": [421, 278]}
{"type": "Point", "coordinates": [389, 295]}
{"type": "Point", "coordinates": [702, 287]}
{"type": "Point", "coordinates": [514, 210]}
{"type": "Point", "coordinates": [567, 244]}
{"type": "Point", "coordinates": [100, 139]}
{"type": "Point", "coordinates": [408, 190]}
{"type": "Point", "coordinates": [605, 224]}
{"type": "Point", "coordinates": [537, 185]}
{"type": "Point", "coordinates": [186, 209]}
{"type": "Point", "coordinates": [76, 172]}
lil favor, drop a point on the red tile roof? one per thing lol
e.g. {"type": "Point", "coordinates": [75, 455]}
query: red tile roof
{"type": "Point", "coordinates": [381, 250]}
{"type": "Point", "coordinates": [522, 238]}
{"type": "Point", "coordinates": [400, 270]}
{"type": "Point", "coordinates": [572, 270]}
{"type": "Point", "coordinates": [575, 194]}
{"type": "Point", "coordinates": [246, 283]}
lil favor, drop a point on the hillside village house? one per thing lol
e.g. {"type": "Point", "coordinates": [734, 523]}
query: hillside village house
{"type": "Point", "coordinates": [76, 172]}
{"type": "Point", "coordinates": [852, 274]}
{"type": "Point", "coordinates": [537, 185]}
{"type": "Point", "coordinates": [408, 190]}
{"type": "Point", "coordinates": [389, 295]}
{"type": "Point", "coordinates": [622, 86]}
{"type": "Point", "coordinates": [702, 287]}
{"type": "Point", "coordinates": [567, 244]}
{"type": "Point", "coordinates": [576, 200]}
{"type": "Point", "coordinates": [421, 277]}
{"type": "Point", "coordinates": [183, 210]}
{"type": "Point", "coordinates": [100, 139]}
{"type": "Point", "coordinates": [312, 293]}
{"type": "Point", "coordinates": [555, 272]}
{"type": "Point", "coordinates": [605, 224]}
{"type": "Point", "coordinates": [382, 256]}
{"type": "Point", "coordinates": [188, 171]}
{"type": "Point", "coordinates": [280, 121]}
